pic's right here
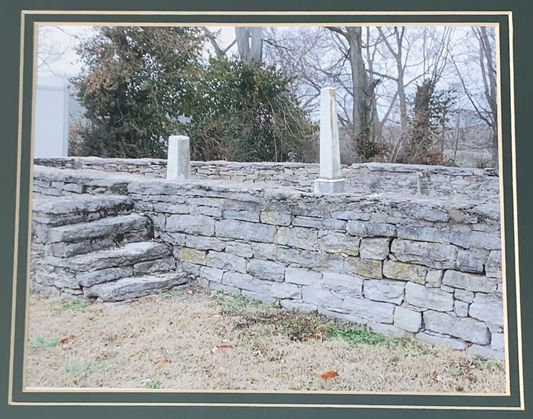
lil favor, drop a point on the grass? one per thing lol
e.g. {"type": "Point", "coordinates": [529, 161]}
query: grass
{"type": "Point", "coordinates": [213, 342]}
{"type": "Point", "coordinates": [73, 305]}
{"type": "Point", "coordinates": [40, 342]}
{"type": "Point", "coordinates": [173, 293]}
{"type": "Point", "coordinates": [153, 384]}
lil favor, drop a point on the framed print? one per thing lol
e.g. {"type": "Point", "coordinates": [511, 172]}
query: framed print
{"type": "Point", "coordinates": [216, 209]}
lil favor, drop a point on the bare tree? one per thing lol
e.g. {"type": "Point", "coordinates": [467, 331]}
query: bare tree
{"type": "Point", "coordinates": [249, 43]}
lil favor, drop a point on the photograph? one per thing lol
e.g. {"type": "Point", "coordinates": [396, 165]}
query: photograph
{"type": "Point", "coordinates": [295, 208]}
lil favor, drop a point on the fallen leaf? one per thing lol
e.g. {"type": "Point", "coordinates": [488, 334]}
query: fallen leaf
{"type": "Point", "coordinates": [66, 343]}
{"type": "Point", "coordinates": [328, 375]}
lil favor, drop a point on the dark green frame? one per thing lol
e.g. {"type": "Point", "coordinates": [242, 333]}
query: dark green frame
{"type": "Point", "coordinates": [495, 406]}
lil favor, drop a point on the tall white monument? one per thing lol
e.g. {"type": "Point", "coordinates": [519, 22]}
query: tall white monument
{"type": "Point", "coordinates": [330, 180]}
{"type": "Point", "coordinates": [179, 158]}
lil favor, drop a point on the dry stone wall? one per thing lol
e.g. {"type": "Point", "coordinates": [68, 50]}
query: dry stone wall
{"type": "Point", "coordinates": [438, 181]}
{"type": "Point", "coordinates": [405, 265]}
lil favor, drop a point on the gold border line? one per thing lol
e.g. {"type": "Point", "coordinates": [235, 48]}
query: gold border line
{"type": "Point", "coordinates": [36, 24]}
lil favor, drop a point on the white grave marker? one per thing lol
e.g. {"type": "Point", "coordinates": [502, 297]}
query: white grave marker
{"type": "Point", "coordinates": [330, 180]}
{"type": "Point", "coordinates": [179, 158]}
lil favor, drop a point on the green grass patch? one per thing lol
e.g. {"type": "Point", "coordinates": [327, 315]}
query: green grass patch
{"type": "Point", "coordinates": [485, 363]}
{"type": "Point", "coordinates": [41, 342]}
{"type": "Point", "coordinates": [173, 293]}
{"type": "Point", "coordinates": [230, 304]}
{"type": "Point", "coordinates": [74, 305]}
{"type": "Point", "coordinates": [153, 384]}
{"type": "Point", "coordinates": [84, 369]}
{"type": "Point", "coordinates": [358, 335]}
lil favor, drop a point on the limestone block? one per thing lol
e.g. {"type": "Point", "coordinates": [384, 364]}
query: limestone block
{"type": "Point", "coordinates": [434, 278]}
{"type": "Point", "coordinates": [370, 310]}
{"type": "Point", "coordinates": [211, 274]}
{"type": "Point", "coordinates": [178, 162]}
{"type": "Point", "coordinates": [477, 239]}
{"type": "Point", "coordinates": [204, 243]}
{"type": "Point", "coordinates": [191, 224]}
{"type": "Point", "coordinates": [195, 256]}
{"type": "Point", "coordinates": [265, 269]}
{"type": "Point", "coordinates": [320, 297]}
{"type": "Point", "coordinates": [464, 295]}
{"type": "Point", "coordinates": [244, 230]}
{"type": "Point", "coordinates": [493, 267]}
{"type": "Point", "coordinates": [156, 265]}
{"type": "Point", "coordinates": [247, 282]}
{"type": "Point", "coordinates": [343, 284]}
{"type": "Point", "coordinates": [303, 238]}
{"type": "Point", "coordinates": [470, 282]}
{"type": "Point", "coordinates": [367, 268]}
{"type": "Point", "coordinates": [465, 328]}
{"type": "Point", "coordinates": [404, 271]}
{"type": "Point", "coordinates": [485, 351]}
{"type": "Point", "coordinates": [498, 342]}
{"type": "Point", "coordinates": [226, 261]}
{"type": "Point", "coordinates": [461, 308]}
{"type": "Point", "coordinates": [351, 215]}
{"type": "Point", "coordinates": [276, 218]}
{"type": "Point", "coordinates": [369, 229]}
{"type": "Point", "coordinates": [440, 340]}
{"type": "Point", "coordinates": [374, 248]}
{"type": "Point", "coordinates": [384, 290]}
{"type": "Point", "coordinates": [471, 260]}
{"type": "Point", "coordinates": [231, 214]}
{"type": "Point", "coordinates": [302, 276]}
{"type": "Point", "coordinates": [488, 308]}
{"type": "Point", "coordinates": [88, 279]}
{"type": "Point", "coordinates": [407, 319]}
{"type": "Point", "coordinates": [334, 242]}
{"type": "Point", "coordinates": [430, 298]}
{"type": "Point", "coordinates": [389, 330]}
{"type": "Point", "coordinates": [429, 234]}
{"type": "Point", "coordinates": [240, 249]}
{"type": "Point", "coordinates": [433, 255]}
{"type": "Point", "coordinates": [286, 290]}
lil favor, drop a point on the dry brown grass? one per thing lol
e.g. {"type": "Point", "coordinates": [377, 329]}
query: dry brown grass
{"type": "Point", "coordinates": [188, 339]}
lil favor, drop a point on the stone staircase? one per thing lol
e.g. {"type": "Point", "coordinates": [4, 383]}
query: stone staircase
{"type": "Point", "coordinates": [93, 245]}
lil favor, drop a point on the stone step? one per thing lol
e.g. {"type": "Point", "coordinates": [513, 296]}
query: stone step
{"type": "Point", "coordinates": [75, 239]}
{"type": "Point", "coordinates": [127, 255]}
{"type": "Point", "coordinates": [72, 209]}
{"type": "Point", "coordinates": [135, 287]}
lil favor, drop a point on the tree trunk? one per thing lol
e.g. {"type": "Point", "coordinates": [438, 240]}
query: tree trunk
{"type": "Point", "coordinates": [249, 43]}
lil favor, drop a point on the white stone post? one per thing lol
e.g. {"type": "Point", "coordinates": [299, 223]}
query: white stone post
{"type": "Point", "coordinates": [179, 158]}
{"type": "Point", "coordinates": [330, 180]}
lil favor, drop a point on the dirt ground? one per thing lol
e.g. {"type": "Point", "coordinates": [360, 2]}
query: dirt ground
{"type": "Point", "coordinates": [190, 339]}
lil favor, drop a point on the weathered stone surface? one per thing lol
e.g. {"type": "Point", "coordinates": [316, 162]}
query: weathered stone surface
{"type": "Point", "coordinates": [105, 227]}
{"type": "Point", "coordinates": [485, 351]}
{"type": "Point", "coordinates": [320, 297]}
{"type": "Point", "coordinates": [130, 253]}
{"type": "Point", "coordinates": [427, 234]}
{"type": "Point", "coordinates": [264, 298]}
{"type": "Point", "coordinates": [470, 282]}
{"type": "Point", "coordinates": [191, 224]}
{"type": "Point", "coordinates": [339, 243]}
{"type": "Point", "coordinates": [266, 250]}
{"type": "Point", "coordinates": [461, 308]}
{"type": "Point", "coordinates": [441, 340]}
{"type": "Point", "coordinates": [297, 305]}
{"type": "Point", "coordinates": [384, 290]}
{"type": "Point", "coordinates": [188, 255]}
{"type": "Point", "coordinates": [465, 328]}
{"type": "Point", "coordinates": [286, 290]}
{"type": "Point", "coordinates": [246, 282]}
{"type": "Point", "coordinates": [389, 330]}
{"type": "Point", "coordinates": [471, 260]}
{"type": "Point", "coordinates": [493, 267]}
{"type": "Point", "coordinates": [244, 230]}
{"type": "Point", "coordinates": [434, 278]}
{"type": "Point", "coordinates": [433, 255]}
{"type": "Point", "coordinates": [370, 310]}
{"type": "Point", "coordinates": [265, 269]}
{"type": "Point", "coordinates": [242, 215]}
{"type": "Point", "coordinates": [488, 308]}
{"type": "Point", "coordinates": [464, 295]}
{"type": "Point", "coordinates": [226, 261]}
{"type": "Point", "coordinates": [343, 283]}
{"type": "Point", "coordinates": [204, 243]}
{"type": "Point", "coordinates": [476, 239]}
{"type": "Point", "coordinates": [303, 238]}
{"type": "Point", "coordinates": [428, 212]}
{"type": "Point", "coordinates": [240, 249]}
{"type": "Point", "coordinates": [134, 287]}
{"type": "Point", "coordinates": [498, 342]}
{"type": "Point", "coordinates": [152, 266]}
{"type": "Point", "coordinates": [374, 248]}
{"type": "Point", "coordinates": [88, 279]}
{"type": "Point", "coordinates": [404, 271]}
{"type": "Point", "coordinates": [423, 297]}
{"type": "Point", "coordinates": [369, 229]}
{"type": "Point", "coordinates": [367, 268]}
{"type": "Point", "coordinates": [351, 215]}
{"type": "Point", "coordinates": [407, 319]}
{"type": "Point", "coordinates": [276, 218]}
{"type": "Point", "coordinates": [211, 274]}
{"type": "Point", "coordinates": [302, 276]}
{"type": "Point", "coordinates": [319, 223]}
